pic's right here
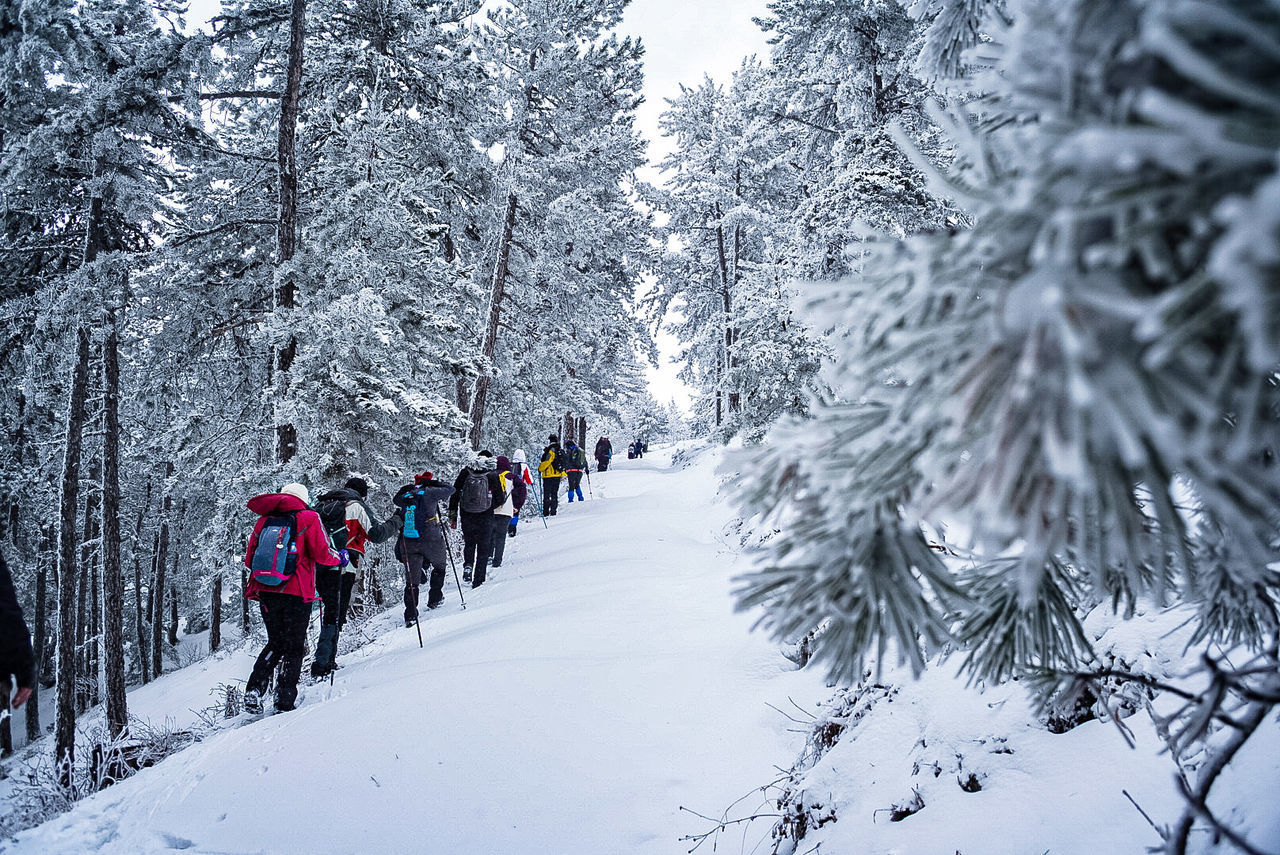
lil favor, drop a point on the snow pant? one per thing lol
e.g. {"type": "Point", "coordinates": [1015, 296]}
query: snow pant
{"type": "Point", "coordinates": [575, 485]}
{"type": "Point", "coordinates": [477, 537]}
{"type": "Point", "coordinates": [602, 464]}
{"type": "Point", "coordinates": [286, 617]}
{"type": "Point", "coordinates": [513, 525]}
{"type": "Point", "coordinates": [420, 555]}
{"type": "Point", "coordinates": [550, 496]}
{"type": "Point", "coordinates": [498, 539]}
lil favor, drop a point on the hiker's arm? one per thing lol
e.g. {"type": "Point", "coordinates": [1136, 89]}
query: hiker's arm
{"type": "Point", "coordinates": [380, 532]}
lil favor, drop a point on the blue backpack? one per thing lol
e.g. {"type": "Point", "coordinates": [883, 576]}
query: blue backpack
{"type": "Point", "coordinates": [275, 555]}
{"type": "Point", "coordinates": [416, 516]}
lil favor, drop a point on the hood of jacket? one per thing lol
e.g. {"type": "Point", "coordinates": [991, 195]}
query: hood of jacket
{"type": "Point", "coordinates": [346, 494]}
{"type": "Point", "coordinates": [504, 465]}
{"type": "Point", "coordinates": [276, 503]}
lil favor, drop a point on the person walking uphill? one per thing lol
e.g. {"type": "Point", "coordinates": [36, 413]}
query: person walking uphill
{"type": "Point", "coordinates": [478, 491]}
{"type": "Point", "coordinates": [519, 472]}
{"type": "Point", "coordinates": [288, 544]}
{"type": "Point", "coordinates": [349, 521]}
{"type": "Point", "coordinates": [604, 453]}
{"type": "Point", "coordinates": [552, 469]}
{"type": "Point", "coordinates": [421, 542]}
{"type": "Point", "coordinates": [577, 463]}
{"type": "Point", "coordinates": [514, 490]}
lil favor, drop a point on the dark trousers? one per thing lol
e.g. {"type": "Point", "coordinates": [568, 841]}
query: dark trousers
{"type": "Point", "coordinates": [602, 464]}
{"type": "Point", "coordinates": [550, 496]}
{"type": "Point", "coordinates": [286, 617]}
{"type": "Point", "coordinates": [498, 539]}
{"type": "Point", "coordinates": [421, 555]}
{"type": "Point", "coordinates": [334, 588]}
{"type": "Point", "coordinates": [575, 485]}
{"type": "Point", "coordinates": [477, 537]}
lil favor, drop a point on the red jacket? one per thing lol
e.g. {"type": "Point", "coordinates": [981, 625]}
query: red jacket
{"type": "Point", "coordinates": [313, 545]}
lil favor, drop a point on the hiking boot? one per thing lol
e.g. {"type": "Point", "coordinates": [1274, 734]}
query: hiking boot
{"type": "Point", "coordinates": [253, 702]}
{"type": "Point", "coordinates": [320, 671]}
{"type": "Point", "coordinates": [466, 574]}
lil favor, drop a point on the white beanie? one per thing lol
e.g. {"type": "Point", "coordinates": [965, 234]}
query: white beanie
{"type": "Point", "coordinates": [298, 490]}
{"type": "Point", "coordinates": [518, 457]}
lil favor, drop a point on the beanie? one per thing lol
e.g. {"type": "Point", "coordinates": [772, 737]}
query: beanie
{"type": "Point", "coordinates": [423, 478]}
{"type": "Point", "coordinates": [298, 490]}
{"type": "Point", "coordinates": [518, 457]}
{"type": "Point", "coordinates": [359, 485]}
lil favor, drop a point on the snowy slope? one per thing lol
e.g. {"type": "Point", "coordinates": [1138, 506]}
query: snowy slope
{"type": "Point", "coordinates": [595, 685]}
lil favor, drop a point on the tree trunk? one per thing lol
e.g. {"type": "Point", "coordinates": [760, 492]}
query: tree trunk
{"type": "Point", "coordinates": [84, 668]}
{"type": "Point", "coordinates": [287, 227]}
{"type": "Point", "coordinates": [94, 649]}
{"type": "Point", "coordinates": [496, 296]}
{"type": "Point", "coordinates": [157, 586]}
{"type": "Point", "coordinates": [42, 594]}
{"type": "Point", "coordinates": [112, 577]}
{"type": "Point", "coordinates": [567, 429]}
{"type": "Point", "coordinates": [173, 606]}
{"type": "Point", "coordinates": [64, 750]}
{"type": "Point", "coordinates": [215, 615]}
{"type": "Point", "coordinates": [582, 432]}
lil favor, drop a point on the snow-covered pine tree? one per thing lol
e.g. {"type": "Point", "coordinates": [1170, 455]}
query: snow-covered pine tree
{"type": "Point", "coordinates": [1083, 383]}
{"type": "Point", "coordinates": [567, 243]}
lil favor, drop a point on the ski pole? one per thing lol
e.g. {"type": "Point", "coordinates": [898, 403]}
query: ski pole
{"type": "Point", "coordinates": [448, 547]}
{"type": "Point", "coordinates": [590, 493]}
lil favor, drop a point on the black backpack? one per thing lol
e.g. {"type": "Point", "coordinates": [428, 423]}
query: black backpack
{"type": "Point", "coordinates": [416, 517]}
{"type": "Point", "coordinates": [275, 555]}
{"type": "Point", "coordinates": [477, 495]}
{"type": "Point", "coordinates": [333, 514]}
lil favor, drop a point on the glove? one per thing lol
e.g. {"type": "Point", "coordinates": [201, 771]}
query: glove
{"type": "Point", "coordinates": [344, 558]}
{"type": "Point", "coordinates": [453, 524]}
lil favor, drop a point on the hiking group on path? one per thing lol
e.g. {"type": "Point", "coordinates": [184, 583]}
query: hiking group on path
{"type": "Point", "coordinates": [299, 554]}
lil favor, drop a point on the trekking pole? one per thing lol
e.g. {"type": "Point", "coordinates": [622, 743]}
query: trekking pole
{"type": "Point", "coordinates": [407, 571]}
{"type": "Point", "coordinates": [590, 493]}
{"type": "Point", "coordinates": [448, 547]}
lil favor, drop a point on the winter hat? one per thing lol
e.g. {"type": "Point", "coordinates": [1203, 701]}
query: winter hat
{"type": "Point", "coordinates": [518, 457]}
{"type": "Point", "coordinates": [297, 490]}
{"type": "Point", "coordinates": [504, 465]}
{"type": "Point", "coordinates": [423, 478]}
{"type": "Point", "coordinates": [554, 439]}
{"type": "Point", "coordinates": [359, 485]}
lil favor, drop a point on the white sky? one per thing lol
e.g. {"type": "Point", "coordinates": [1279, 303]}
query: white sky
{"type": "Point", "coordinates": [684, 40]}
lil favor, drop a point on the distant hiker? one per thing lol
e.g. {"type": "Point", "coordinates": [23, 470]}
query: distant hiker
{"type": "Point", "coordinates": [576, 464]}
{"type": "Point", "coordinates": [604, 453]}
{"type": "Point", "coordinates": [349, 521]}
{"type": "Point", "coordinates": [631, 451]}
{"type": "Point", "coordinates": [551, 469]}
{"type": "Point", "coordinates": [639, 447]}
{"type": "Point", "coordinates": [513, 488]}
{"type": "Point", "coordinates": [17, 661]}
{"type": "Point", "coordinates": [519, 472]}
{"type": "Point", "coordinates": [644, 447]}
{"type": "Point", "coordinates": [287, 545]}
{"type": "Point", "coordinates": [478, 491]}
{"type": "Point", "coordinates": [421, 542]}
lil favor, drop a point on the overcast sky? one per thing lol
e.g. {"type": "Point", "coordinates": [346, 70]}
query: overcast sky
{"type": "Point", "coordinates": [684, 40]}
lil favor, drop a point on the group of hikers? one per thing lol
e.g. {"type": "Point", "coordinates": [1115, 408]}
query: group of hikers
{"type": "Point", "coordinates": [299, 553]}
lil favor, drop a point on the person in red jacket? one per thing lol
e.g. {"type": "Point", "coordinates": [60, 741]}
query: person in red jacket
{"type": "Point", "coordinates": [284, 595]}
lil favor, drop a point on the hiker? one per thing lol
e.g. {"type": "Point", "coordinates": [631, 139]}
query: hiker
{"type": "Point", "coordinates": [478, 491]}
{"type": "Point", "coordinates": [604, 453]}
{"type": "Point", "coordinates": [576, 464]}
{"type": "Point", "coordinates": [521, 473]}
{"type": "Point", "coordinates": [631, 451]}
{"type": "Point", "coordinates": [551, 469]}
{"type": "Point", "coordinates": [503, 516]}
{"type": "Point", "coordinates": [421, 543]}
{"type": "Point", "coordinates": [348, 519]}
{"type": "Point", "coordinates": [287, 546]}
{"type": "Point", "coordinates": [639, 447]}
{"type": "Point", "coordinates": [17, 661]}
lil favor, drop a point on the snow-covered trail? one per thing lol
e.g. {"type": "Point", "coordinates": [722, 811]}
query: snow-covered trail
{"type": "Point", "coordinates": [598, 682]}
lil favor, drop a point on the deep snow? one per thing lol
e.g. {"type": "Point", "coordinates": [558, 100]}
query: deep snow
{"type": "Point", "coordinates": [599, 682]}
{"type": "Point", "coordinates": [596, 683]}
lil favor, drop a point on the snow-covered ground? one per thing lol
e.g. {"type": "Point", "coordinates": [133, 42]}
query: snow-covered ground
{"type": "Point", "coordinates": [601, 681]}
{"type": "Point", "coordinates": [596, 684]}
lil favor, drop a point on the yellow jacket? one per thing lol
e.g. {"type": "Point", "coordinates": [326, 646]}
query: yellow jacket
{"type": "Point", "coordinates": [550, 465]}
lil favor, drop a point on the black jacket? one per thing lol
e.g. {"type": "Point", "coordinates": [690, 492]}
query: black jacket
{"type": "Point", "coordinates": [429, 497]}
{"type": "Point", "coordinates": [16, 656]}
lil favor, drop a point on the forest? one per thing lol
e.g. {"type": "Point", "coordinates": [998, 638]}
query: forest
{"type": "Point", "coordinates": [983, 297]}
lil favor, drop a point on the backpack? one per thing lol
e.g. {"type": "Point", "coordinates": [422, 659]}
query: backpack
{"type": "Point", "coordinates": [275, 555]}
{"type": "Point", "coordinates": [477, 497]}
{"type": "Point", "coordinates": [578, 459]}
{"type": "Point", "coordinates": [333, 513]}
{"type": "Point", "coordinates": [415, 516]}
{"type": "Point", "coordinates": [555, 455]}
